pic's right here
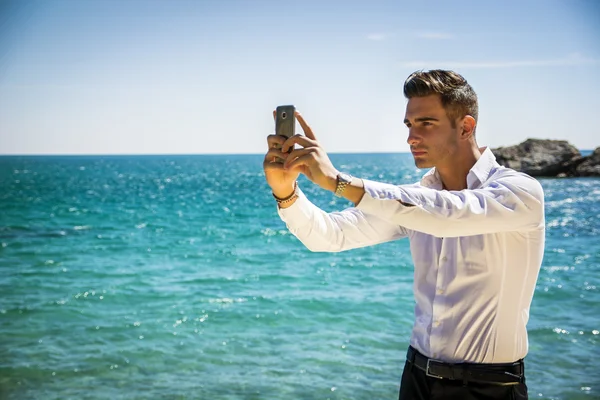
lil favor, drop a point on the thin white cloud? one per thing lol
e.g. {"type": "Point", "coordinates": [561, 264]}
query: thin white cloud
{"type": "Point", "coordinates": [377, 36]}
{"type": "Point", "coordinates": [572, 60]}
{"type": "Point", "coordinates": [435, 35]}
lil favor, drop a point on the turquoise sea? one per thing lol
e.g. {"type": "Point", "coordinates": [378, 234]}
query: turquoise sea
{"type": "Point", "coordinates": [172, 277]}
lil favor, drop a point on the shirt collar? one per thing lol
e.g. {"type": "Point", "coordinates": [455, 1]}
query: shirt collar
{"type": "Point", "coordinates": [478, 174]}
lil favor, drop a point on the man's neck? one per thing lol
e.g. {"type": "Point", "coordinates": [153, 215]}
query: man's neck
{"type": "Point", "coordinates": [454, 176]}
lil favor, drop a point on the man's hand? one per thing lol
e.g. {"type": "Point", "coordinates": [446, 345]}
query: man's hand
{"type": "Point", "coordinates": [281, 181]}
{"type": "Point", "coordinates": [310, 160]}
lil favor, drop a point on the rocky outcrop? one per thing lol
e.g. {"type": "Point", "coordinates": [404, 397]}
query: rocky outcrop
{"type": "Point", "coordinates": [538, 157]}
{"type": "Point", "coordinates": [548, 158]}
{"type": "Point", "coordinates": [589, 166]}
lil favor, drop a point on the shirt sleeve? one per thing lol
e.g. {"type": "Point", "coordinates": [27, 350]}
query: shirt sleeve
{"type": "Point", "coordinates": [337, 231]}
{"type": "Point", "coordinates": [511, 202]}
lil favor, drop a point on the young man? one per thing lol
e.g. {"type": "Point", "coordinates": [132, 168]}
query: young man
{"type": "Point", "coordinates": [476, 233]}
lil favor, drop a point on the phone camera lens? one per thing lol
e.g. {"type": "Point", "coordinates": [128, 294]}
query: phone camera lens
{"type": "Point", "coordinates": [283, 115]}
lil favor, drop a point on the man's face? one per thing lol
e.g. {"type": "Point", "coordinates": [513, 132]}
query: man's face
{"type": "Point", "coordinates": [431, 137]}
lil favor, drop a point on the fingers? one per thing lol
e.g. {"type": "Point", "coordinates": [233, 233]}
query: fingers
{"type": "Point", "coordinates": [276, 141]}
{"type": "Point", "coordinates": [297, 154]}
{"type": "Point", "coordinates": [307, 129]}
{"type": "Point", "coordinates": [275, 156]}
{"type": "Point", "coordinates": [300, 161]}
{"type": "Point", "coordinates": [298, 139]}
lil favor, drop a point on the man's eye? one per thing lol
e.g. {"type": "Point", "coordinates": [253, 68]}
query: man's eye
{"type": "Point", "coordinates": [426, 123]}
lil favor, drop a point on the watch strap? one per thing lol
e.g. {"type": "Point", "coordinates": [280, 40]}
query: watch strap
{"type": "Point", "coordinates": [343, 180]}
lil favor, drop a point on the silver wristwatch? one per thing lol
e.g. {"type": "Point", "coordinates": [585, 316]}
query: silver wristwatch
{"type": "Point", "coordinates": [343, 180]}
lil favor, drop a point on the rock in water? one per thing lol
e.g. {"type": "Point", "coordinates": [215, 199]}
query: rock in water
{"type": "Point", "coordinates": [590, 165]}
{"type": "Point", "coordinates": [537, 157]}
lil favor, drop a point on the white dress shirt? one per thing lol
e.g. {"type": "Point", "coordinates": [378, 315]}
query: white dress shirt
{"type": "Point", "coordinates": [476, 252]}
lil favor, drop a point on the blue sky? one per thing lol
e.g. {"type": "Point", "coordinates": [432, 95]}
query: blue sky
{"type": "Point", "coordinates": [156, 77]}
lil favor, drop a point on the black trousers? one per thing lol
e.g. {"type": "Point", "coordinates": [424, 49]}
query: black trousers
{"type": "Point", "coordinates": [416, 385]}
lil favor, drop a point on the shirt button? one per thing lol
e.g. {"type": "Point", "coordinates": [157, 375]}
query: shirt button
{"type": "Point", "coordinates": [382, 195]}
{"type": "Point", "coordinates": [434, 355]}
{"type": "Point", "coordinates": [440, 291]}
{"type": "Point", "coordinates": [444, 258]}
{"type": "Point", "coordinates": [436, 323]}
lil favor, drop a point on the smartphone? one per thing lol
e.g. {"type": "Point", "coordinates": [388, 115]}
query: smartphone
{"type": "Point", "coordinates": [285, 122]}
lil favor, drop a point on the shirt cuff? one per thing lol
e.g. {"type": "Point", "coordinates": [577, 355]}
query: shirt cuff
{"type": "Point", "coordinates": [383, 199]}
{"type": "Point", "coordinates": [298, 214]}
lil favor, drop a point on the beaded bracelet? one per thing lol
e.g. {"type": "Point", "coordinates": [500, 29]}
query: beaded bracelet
{"type": "Point", "coordinates": [288, 199]}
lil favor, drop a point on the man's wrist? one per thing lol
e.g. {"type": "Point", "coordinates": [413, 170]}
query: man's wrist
{"type": "Point", "coordinates": [332, 183]}
{"type": "Point", "coordinates": [353, 188]}
{"type": "Point", "coordinates": [287, 201]}
{"type": "Point", "coordinates": [284, 193]}
{"type": "Point", "coordinates": [343, 180]}
{"type": "Point", "coordinates": [355, 191]}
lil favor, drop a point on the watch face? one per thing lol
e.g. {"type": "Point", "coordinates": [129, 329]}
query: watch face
{"type": "Point", "coordinates": [345, 177]}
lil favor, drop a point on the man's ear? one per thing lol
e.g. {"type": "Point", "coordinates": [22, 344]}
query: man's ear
{"type": "Point", "coordinates": [468, 127]}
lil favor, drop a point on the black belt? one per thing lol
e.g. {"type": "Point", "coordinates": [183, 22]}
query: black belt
{"type": "Point", "coordinates": [499, 374]}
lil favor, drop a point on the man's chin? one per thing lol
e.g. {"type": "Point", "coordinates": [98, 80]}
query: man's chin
{"type": "Point", "coordinates": [422, 164]}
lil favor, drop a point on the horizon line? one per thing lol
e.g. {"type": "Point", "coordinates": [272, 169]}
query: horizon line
{"type": "Point", "coordinates": [193, 154]}
{"type": "Point", "coordinates": [174, 154]}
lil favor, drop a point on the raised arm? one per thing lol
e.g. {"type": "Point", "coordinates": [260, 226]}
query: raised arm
{"type": "Point", "coordinates": [336, 231]}
{"type": "Point", "coordinates": [511, 202]}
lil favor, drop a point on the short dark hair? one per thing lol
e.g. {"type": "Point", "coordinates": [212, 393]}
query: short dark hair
{"type": "Point", "coordinates": [458, 97]}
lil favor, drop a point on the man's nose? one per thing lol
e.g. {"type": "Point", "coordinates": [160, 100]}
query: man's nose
{"type": "Point", "coordinates": [412, 138]}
